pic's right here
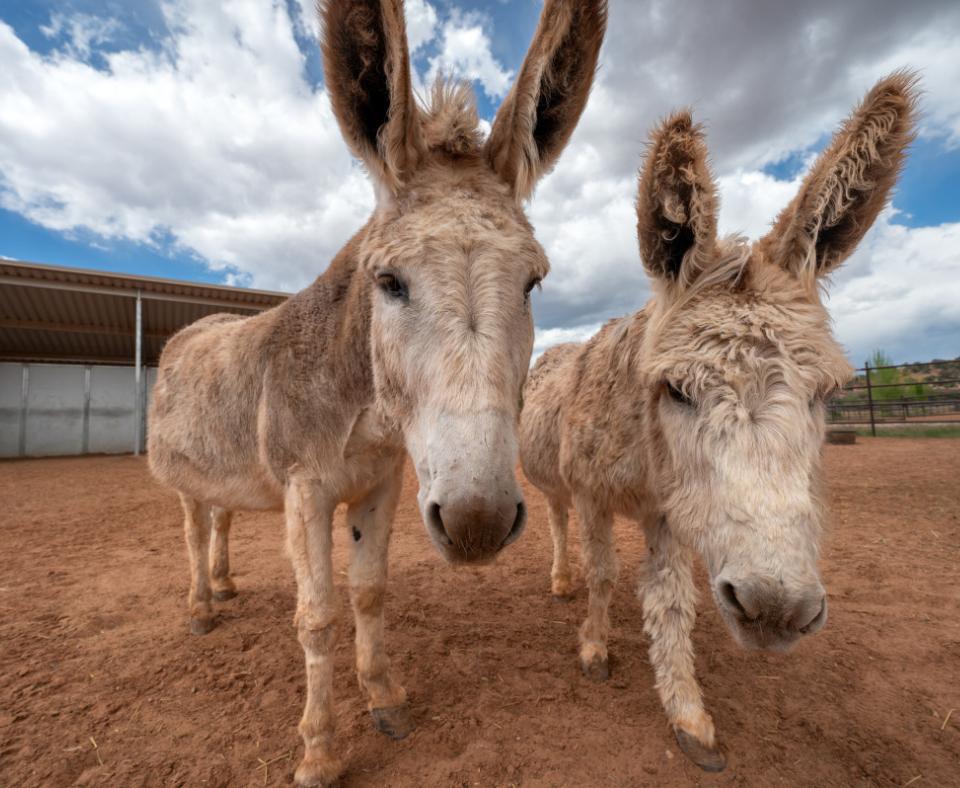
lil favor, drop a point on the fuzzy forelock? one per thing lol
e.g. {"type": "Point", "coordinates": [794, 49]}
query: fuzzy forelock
{"type": "Point", "coordinates": [450, 120]}
{"type": "Point", "coordinates": [725, 267]}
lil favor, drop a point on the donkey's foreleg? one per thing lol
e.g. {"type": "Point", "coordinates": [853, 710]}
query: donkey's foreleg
{"type": "Point", "coordinates": [669, 613]}
{"type": "Point", "coordinates": [310, 543]}
{"type": "Point", "coordinates": [600, 568]}
{"type": "Point", "coordinates": [561, 578]}
{"type": "Point", "coordinates": [370, 521]}
{"type": "Point", "coordinates": [196, 528]}
{"type": "Point", "coordinates": [223, 586]}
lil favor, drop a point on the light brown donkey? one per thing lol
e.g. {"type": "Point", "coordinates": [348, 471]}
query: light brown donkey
{"type": "Point", "coordinates": [701, 416]}
{"type": "Point", "coordinates": [418, 336]}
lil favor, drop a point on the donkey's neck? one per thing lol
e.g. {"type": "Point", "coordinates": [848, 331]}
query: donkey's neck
{"type": "Point", "coordinates": [319, 376]}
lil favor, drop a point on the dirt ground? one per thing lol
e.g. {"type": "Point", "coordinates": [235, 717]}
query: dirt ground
{"type": "Point", "coordinates": [101, 684]}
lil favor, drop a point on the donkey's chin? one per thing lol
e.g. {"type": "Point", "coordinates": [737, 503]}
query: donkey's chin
{"type": "Point", "coordinates": [754, 636]}
{"type": "Point", "coordinates": [457, 556]}
{"type": "Point", "coordinates": [757, 635]}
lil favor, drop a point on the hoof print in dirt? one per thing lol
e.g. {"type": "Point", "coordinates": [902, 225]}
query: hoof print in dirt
{"type": "Point", "coordinates": [393, 721]}
{"type": "Point", "coordinates": [710, 760]}
{"type": "Point", "coordinates": [201, 626]}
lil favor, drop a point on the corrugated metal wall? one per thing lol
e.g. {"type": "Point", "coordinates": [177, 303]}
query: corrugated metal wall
{"type": "Point", "coordinates": [68, 409]}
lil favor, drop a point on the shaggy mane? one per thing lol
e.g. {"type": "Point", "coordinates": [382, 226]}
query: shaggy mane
{"type": "Point", "coordinates": [730, 258]}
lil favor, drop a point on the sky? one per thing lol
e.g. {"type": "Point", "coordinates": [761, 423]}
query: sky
{"type": "Point", "coordinates": [194, 140]}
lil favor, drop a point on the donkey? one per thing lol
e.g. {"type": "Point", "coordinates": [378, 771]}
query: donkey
{"type": "Point", "coordinates": [702, 415]}
{"type": "Point", "coordinates": [418, 337]}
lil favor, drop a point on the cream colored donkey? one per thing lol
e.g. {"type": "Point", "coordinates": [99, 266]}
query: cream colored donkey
{"type": "Point", "coordinates": [417, 337]}
{"type": "Point", "coordinates": [702, 416]}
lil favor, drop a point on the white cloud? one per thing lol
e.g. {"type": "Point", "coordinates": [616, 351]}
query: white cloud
{"type": "Point", "coordinates": [900, 291]}
{"type": "Point", "coordinates": [82, 31]}
{"type": "Point", "coordinates": [765, 91]}
{"type": "Point", "coordinates": [421, 18]}
{"type": "Point", "coordinates": [216, 140]}
{"type": "Point", "coordinates": [465, 52]}
{"type": "Point", "coordinates": [750, 200]}
{"type": "Point", "coordinates": [555, 336]}
{"type": "Point", "coordinates": [306, 19]}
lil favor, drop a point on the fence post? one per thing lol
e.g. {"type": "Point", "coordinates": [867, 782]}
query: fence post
{"type": "Point", "coordinates": [873, 425]}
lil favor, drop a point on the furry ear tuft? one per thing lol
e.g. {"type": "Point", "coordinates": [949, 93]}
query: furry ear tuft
{"type": "Point", "coordinates": [849, 184]}
{"type": "Point", "coordinates": [537, 118]}
{"type": "Point", "coordinates": [367, 72]}
{"type": "Point", "coordinates": [676, 203]}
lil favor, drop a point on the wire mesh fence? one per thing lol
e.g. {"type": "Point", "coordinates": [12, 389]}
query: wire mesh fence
{"type": "Point", "coordinates": [918, 393]}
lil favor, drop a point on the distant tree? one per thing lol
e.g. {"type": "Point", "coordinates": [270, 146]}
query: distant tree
{"type": "Point", "coordinates": [884, 375]}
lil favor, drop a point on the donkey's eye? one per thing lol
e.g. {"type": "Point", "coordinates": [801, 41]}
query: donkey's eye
{"type": "Point", "coordinates": [677, 395]}
{"type": "Point", "coordinates": [393, 286]}
{"type": "Point", "coordinates": [535, 282]}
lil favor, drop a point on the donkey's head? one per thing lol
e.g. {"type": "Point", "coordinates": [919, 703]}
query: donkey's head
{"type": "Point", "coordinates": [739, 359]}
{"type": "Point", "coordinates": [450, 254]}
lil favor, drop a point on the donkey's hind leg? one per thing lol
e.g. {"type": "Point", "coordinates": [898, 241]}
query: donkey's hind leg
{"type": "Point", "coordinates": [600, 568]}
{"type": "Point", "coordinates": [223, 586]}
{"type": "Point", "coordinates": [196, 527]}
{"type": "Point", "coordinates": [561, 578]}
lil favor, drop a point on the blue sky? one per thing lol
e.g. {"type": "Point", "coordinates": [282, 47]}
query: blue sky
{"type": "Point", "coordinates": [194, 140]}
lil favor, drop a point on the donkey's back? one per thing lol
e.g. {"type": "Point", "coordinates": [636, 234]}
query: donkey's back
{"type": "Point", "coordinates": [540, 419]}
{"type": "Point", "coordinates": [203, 437]}
{"type": "Point", "coordinates": [560, 443]}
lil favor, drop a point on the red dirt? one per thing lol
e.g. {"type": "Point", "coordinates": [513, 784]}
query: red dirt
{"type": "Point", "coordinates": [95, 647]}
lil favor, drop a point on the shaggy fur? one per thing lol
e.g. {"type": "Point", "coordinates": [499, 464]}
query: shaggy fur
{"type": "Point", "coordinates": [418, 336]}
{"type": "Point", "coordinates": [701, 416]}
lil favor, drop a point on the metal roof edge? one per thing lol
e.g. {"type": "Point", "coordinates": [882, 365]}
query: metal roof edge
{"type": "Point", "coordinates": [145, 283]}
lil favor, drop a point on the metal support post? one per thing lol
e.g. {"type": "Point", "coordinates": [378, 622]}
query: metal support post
{"type": "Point", "coordinates": [138, 362]}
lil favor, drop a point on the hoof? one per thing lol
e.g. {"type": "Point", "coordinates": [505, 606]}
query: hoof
{"type": "Point", "coordinates": [224, 594]}
{"type": "Point", "coordinates": [318, 772]}
{"type": "Point", "coordinates": [201, 626]}
{"type": "Point", "coordinates": [710, 760]}
{"type": "Point", "coordinates": [597, 669]}
{"type": "Point", "coordinates": [394, 721]}
{"type": "Point", "coordinates": [563, 590]}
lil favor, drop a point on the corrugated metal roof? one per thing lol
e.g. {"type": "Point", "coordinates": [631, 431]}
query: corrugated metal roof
{"type": "Point", "coordinates": [52, 313]}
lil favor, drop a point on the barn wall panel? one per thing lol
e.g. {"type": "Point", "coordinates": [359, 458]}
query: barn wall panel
{"type": "Point", "coordinates": [55, 405]}
{"type": "Point", "coordinates": [71, 409]}
{"type": "Point", "coordinates": [11, 378]}
{"type": "Point", "coordinates": [112, 411]}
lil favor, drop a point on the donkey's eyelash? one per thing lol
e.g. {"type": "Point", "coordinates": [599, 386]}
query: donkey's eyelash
{"type": "Point", "coordinates": [392, 285]}
{"type": "Point", "coordinates": [676, 394]}
{"type": "Point", "coordinates": [535, 282]}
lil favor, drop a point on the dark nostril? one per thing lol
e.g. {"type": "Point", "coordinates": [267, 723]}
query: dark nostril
{"type": "Point", "coordinates": [818, 620]}
{"type": "Point", "coordinates": [435, 521]}
{"type": "Point", "coordinates": [519, 524]}
{"type": "Point", "coordinates": [729, 595]}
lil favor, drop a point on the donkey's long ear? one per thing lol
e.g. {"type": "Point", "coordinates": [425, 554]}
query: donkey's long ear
{"type": "Point", "coordinates": [676, 203]}
{"type": "Point", "coordinates": [367, 71]}
{"type": "Point", "coordinates": [536, 120]}
{"type": "Point", "coordinates": [849, 184]}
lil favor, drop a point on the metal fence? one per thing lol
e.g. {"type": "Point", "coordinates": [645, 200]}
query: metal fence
{"type": "Point", "coordinates": [918, 393]}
